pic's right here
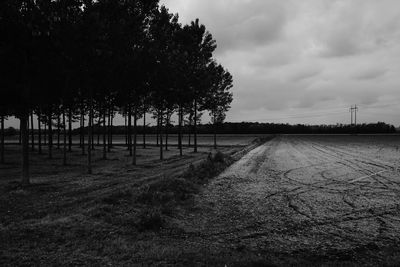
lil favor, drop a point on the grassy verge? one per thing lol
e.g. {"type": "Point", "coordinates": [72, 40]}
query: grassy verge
{"type": "Point", "coordinates": [162, 197]}
{"type": "Point", "coordinates": [151, 204]}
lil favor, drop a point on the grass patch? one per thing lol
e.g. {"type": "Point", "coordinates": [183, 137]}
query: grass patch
{"type": "Point", "coordinates": [183, 187]}
{"type": "Point", "coordinates": [209, 168]}
{"type": "Point", "coordinates": [150, 219]}
{"type": "Point", "coordinates": [166, 190]}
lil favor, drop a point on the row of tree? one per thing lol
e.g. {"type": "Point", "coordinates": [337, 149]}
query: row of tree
{"type": "Point", "coordinates": [281, 128]}
{"type": "Point", "coordinates": [67, 60]}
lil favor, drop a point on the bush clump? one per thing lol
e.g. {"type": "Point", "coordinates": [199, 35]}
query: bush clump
{"type": "Point", "coordinates": [150, 219]}
{"type": "Point", "coordinates": [183, 187]}
{"type": "Point", "coordinates": [166, 190]}
{"type": "Point", "coordinates": [209, 168]}
{"type": "Point", "coordinates": [219, 157]}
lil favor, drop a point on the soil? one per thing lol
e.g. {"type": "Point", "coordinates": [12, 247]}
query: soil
{"type": "Point", "coordinates": [303, 200]}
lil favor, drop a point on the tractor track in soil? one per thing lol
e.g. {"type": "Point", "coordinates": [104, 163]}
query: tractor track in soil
{"type": "Point", "coordinates": [305, 193]}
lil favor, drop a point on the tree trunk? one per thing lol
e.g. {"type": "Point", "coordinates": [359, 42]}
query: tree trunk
{"type": "Point", "coordinates": [90, 135]}
{"type": "Point", "coordinates": [80, 132]}
{"type": "Point", "coordinates": [195, 127]}
{"type": "Point", "coordinates": [109, 130]}
{"type": "Point", "coordinates": [25, 148]}
{"type": "Point", "coordinates": [2, 147]}
{"type": "Point", "coordinates": [134, 136]}
{"type": "Point", "coordinates": [158, 131]}
{"type": "Point", "coordinates": [20, 133]}
{"type": "Point", "coordinates": [65, 139]}
{"type": "Point", "coordinates": [215, 134]}
{"type": "Point", "coordinates": [70, 130]}
{"type": "Point", "coordinates": [28, 127]}
{"type": "Point", "coordinates": [92, 141]}
{"type": "Point", "coordinates": [98, 130]}
{"type": "Point", "coordinates": [129, 131]}
{"type": "Point", "coordinates": [166, 132]}
{"type": "Point", "coordinates": [104, 135]}
{"type": "Point", "coordinates": [50, 134]}
{"type": "Point", "coordinates": [45, 133]}
{"type": "Point", "coordinates": [32, 133]}
{"type": "Point", "coordinates": [126, 130]}
{"type": "Point", "coordinates": [160, 122]}
{"type": "Point", "coordinates": [144, 129]}
{"type": "Point", "coordinates": [180, 131]}
{"type": "Point", "coordinates": [83, 132]}
{"type": "Point", "coordinates": [39, 133]}
{"type": "Point", "coordinates": [189, 128]}
{"type": "Point", "coordinates": [58, 131]}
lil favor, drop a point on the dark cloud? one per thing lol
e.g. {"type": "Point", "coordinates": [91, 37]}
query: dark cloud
{"type": "Point", "coordinates": [370, 74]}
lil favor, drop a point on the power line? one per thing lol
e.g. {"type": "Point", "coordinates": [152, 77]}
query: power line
{"type": "Point", "coordinates": [382, 105]}
{"type": "Point", "coordinates": [354, 109]}
{"type": "Point", "coordinates": [300, 116]}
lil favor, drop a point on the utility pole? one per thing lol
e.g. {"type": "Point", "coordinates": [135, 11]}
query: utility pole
{"type": "Point", "coordinates": [354, 109]}
{"type": "Point", "coordinates": [355, 114]}
{"type": "Point", "coordinates": [351, 111]}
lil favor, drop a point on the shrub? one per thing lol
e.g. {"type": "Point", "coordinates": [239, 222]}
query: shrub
{"type": "Point", "coordinates": [209, 168]}
{"type": "Point", "coordinates": [150, 219]}
{"type": "Point", "coordinates": [219, 157]}
{"type": "Point", "coordinates": [166, 190]}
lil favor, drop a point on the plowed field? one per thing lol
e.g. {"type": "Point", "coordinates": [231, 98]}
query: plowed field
{"type": "Point", "coordinates": [306, 199]}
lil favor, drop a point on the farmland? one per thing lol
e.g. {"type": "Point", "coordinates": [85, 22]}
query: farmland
{"type": "Point", "coordinates": [307, 200]}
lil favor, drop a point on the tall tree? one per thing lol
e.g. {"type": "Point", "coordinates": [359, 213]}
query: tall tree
{"type": "Point", "coordinates": [162, 31]}
{"type": "Point", "coordinates": [200, 46]}
{"type": "Point", "coordinates": [218, 97]}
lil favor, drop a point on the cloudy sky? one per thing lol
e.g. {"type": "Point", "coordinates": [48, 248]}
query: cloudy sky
{"type": "Point", "coordinates": [305, 61]}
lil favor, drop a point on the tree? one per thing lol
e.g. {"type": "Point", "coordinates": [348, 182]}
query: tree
{"type": "Point", "coordinates": [163, 27]}
{"type": "Point", "coordinates": [199, 45]}
{"type": "Point", "coordinates": [218, 97]}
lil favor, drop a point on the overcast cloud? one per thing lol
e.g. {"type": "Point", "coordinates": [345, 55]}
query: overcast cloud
{"type": "Point", "coordinates": [306, 61]}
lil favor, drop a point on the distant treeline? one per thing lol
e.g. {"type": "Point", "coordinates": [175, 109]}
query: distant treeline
{"type": "Point", "coordinates": [264, 128]}
{"type": "Point", "coordinates": [279, 128]}
{"type": "Point", "coordinates": [250, 128]}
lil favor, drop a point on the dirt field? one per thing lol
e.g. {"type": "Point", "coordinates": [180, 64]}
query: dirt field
{"type": "Point", "coordinates": [295, 200]}
{"type": "Point", "coordinates": [305, 200]}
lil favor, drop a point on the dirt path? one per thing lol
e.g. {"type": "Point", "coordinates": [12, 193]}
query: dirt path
{"type": "Point", "coordinates": [303, 200]}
